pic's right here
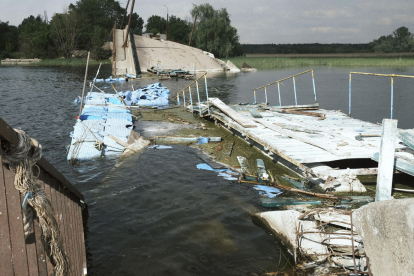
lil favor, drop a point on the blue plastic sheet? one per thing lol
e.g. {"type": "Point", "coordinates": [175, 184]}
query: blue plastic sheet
{"type": "Point", "coordinates": [267, 190]}
{"type": "Point", "coordinates": [203, 140]}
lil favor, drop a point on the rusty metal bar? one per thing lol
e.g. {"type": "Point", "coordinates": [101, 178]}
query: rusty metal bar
{"type": "Point", "coordinates": [310, 70]}
{"type": "Point", "coordinates": [381, 75]}
{"type": "Point", "coordinates": [193, 82]}
{"type": "Point", "coordinates": [191, 36]}
{"type": "Point", "coordinates": [129, 24]}
{"type": "Point", "coordinates": [294, 86]}
{"type": "Point", "coordinates": [122, 22]}
{"type": "Point", "coordinates": [114, 51]}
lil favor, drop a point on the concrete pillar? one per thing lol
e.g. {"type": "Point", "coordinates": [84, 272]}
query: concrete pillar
{"type": "Point", "coordinates": [386, 160]}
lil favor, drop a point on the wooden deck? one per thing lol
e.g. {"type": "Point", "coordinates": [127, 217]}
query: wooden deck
{"type": "Point", "coordinates": [311, 146]}
{"type": "Point", "coordinates": [20, 256]}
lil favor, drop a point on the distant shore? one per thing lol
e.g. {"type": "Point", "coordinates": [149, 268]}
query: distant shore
{"type": "Point", "coordinates": [273, 61]}
{"type": "Point", "coordinates": [59, 62]}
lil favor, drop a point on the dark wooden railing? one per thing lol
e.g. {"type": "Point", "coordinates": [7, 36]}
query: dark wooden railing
{"type": "Point", "coordinates": [20, 256]}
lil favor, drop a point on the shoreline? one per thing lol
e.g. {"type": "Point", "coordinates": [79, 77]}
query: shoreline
{"type": "Point", "coordinates": [274, 62]}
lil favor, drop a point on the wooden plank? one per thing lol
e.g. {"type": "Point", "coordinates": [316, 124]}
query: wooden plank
{"type": "Point", "coordinates": [44, 164]}
{"type": "Point", "coordinates": [242, 120]}
{"type": "Point", "coordinates": [31, 249]}
{"type": "Point", "coordinates": [64, 224]}
{"type": "Point", "coordinates": [320, 143]}
{"type": "Point", "coordinates": [16, 225]}
{"type": "Point", "coordinates": [46, 179]}
{"type": "Point", "coordinates": [255, 113]}
{"type": "Point", "coordinates": [74, 249]}
{"type": "Point", "coordinates": [40, 250]}
{"type": "Point", "coordinates": [8, 133]}
{"type": "Point", "coordinates": [119, 141]}
{"type": "Point", "coordinates": [6, 263]}
{"type": "Point", "coordinates": [77, 238]}
{"type": "Point", "coordinates": [32, 253]}
{"type": "Point", "coordinates": [41, 254]}
{"type": "Point", "coordinates": [83, 245]}
{"type": "Point", "coordinates": [407, 138]}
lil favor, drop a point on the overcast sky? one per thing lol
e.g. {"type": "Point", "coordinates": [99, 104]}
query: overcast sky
{"type": "Point", "coordinates": [266, 21]}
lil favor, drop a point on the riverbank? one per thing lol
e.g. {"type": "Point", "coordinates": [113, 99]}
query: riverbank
{"type": "Point", "coordinates": [62, 62]}
{"type": "Point", "coordinates": [274, 62]}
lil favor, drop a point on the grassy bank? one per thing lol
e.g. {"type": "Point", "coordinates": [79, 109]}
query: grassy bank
{"type": "Point", "coordinates": [282, 62]}
{"type": "Point", "coordinates": [62, 62]}
{"type": "Point", "coordinates": [70, 62]}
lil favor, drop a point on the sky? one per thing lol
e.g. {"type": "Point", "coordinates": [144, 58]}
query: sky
{"type": "Point", "coordinates": [265, 21]}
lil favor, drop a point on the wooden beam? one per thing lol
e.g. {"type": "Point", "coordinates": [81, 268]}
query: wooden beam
{"type": "Point", "coordinates": [239, 118]}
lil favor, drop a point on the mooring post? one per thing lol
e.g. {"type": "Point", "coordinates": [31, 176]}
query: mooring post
{"type": "Point", "coordinates": [314, 90]}
{"type": "Point", "coordinates": [191, 99]}
{"type": "Point", "coordinates": [198, 95]}
{"type": "Point", "coordinates": [184, 99]}
{"type": "Point", "coordinates": [208, 104]}
{"type": "Point", "coordinates": [266, 94]}
{"type": "Point", "coordinates": [178, 98]}
{"type": "Point", "coordinates": [392, 94]}
{"type": "Point", "coordinates": [84, 84]}
{"type": "Point", "coordinates": [278, 90]}
{"type": "Point", "coordinates": [294, 88]}
{"type": "Point", "coordinates": [349, 95]}
{"type": "Point", "coordinates": [386, 160]}
{"type": "Point", "coordinates": [254, 92]}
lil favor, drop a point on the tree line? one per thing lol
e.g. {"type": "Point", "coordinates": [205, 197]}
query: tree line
{"type": "Point", "coordinates": [86, 25]}
{"type": "Point", "coordinates": [401, 40]}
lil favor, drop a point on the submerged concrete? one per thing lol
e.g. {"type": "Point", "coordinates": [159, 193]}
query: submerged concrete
{"type": "Point", "coordinates": [387, 229]}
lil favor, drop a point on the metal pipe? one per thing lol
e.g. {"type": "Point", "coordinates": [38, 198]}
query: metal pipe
{"type": "Point", "coordinates": [84, 84]}
{"type": "Point", "coordinates": [189, 43]}
{"type": "Point", "coordinates": [383, 75]}
{"type": "Point", "coordinates": [193, 82]}
{"type": "Point", "coordinates": [314, 90]}
{"type": "Point", "coordinates": [392, 95]}
{"type": "Point", "coordinates": [349, 95]}
{"type": "Point", "coordinates": [166, 31]}
{"type": "Point", "coordinates": [208, 104]}
{"type": "Point", "coordinates": [278, 90]}
{"type": "Point", "coordinates": [198, 95]}
{"type": "Point", "coordinates": [255, 96]}
{"type": "Point", "coordinates": [266, 95]}
{"type": "Point", "coordinates": [191, 99]}
{"type": "Point", "coordinates": [294, 88]}
{"type": "Point", "coordinates": [283, 79]}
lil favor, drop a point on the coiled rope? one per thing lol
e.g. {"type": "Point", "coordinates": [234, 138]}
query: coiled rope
{"type": "Point", "coordinates": [26, 182]}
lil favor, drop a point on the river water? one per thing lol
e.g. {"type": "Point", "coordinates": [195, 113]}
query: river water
{"type": "Point", "coordinates": [157, 214]}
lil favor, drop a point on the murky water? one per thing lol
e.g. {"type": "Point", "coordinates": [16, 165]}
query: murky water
{"type": "Point", "coordinates": [157, 214]}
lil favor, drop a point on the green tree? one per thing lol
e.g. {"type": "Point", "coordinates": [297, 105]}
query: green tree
{"type": "Point", "coordinates": [401, 40]}
{"type": "Point", "coordinates": [66, 31]}
{"type": "Point", "coordinates": [9, 37]}
{"type": "Point", "coordinates": [213, 32]}
{"type": "Point", "coordinates": [137, 24]}
{"type": "Point", "coordinates": [156, 24]}
{"type": "Point", "coordinates": [34, 37]}
{"type": "Point", "coordinates": [178, 30]}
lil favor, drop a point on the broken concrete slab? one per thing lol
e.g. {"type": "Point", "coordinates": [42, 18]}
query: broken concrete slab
{"type": "Point", "coordinates": [284, 225]}
{"type": "Point", "coordinates": [387, 229]}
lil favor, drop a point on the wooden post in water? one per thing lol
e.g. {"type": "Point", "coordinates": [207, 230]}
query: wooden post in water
{"type": "Point", "coordinates": [84, 84]}
{"type": "Point", "coordinates": [386, 160]}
